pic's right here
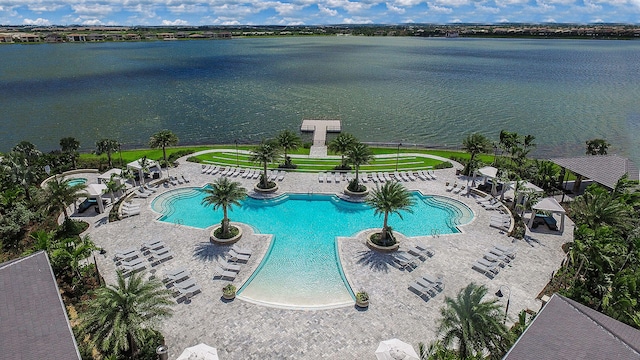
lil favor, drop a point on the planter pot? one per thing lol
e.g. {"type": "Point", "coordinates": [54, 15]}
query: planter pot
{"type": "Point", "coordinates": [273, 189]}
{"type": "Point", "coordinates": [229, 296]}
{"type": "Point", "coordinates": [362, 304]}
{"type": "Point", "coordinates": [356, 193]}
{"type": "Point", "coordinates": [384, 249]}
{"type": "Point", "coordinates": [232, 240]}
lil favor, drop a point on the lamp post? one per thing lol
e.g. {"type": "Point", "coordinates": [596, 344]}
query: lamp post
{"type": "Point", "coordinates": [398, 155]}
{"type": "Point", "coordinates": [237, 162]}
{"type": "Point", "coordinates": [500, 294]}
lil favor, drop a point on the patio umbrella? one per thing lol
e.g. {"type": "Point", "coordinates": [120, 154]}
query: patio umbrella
{"type": "Point", "coordinates": [395, 349]}
{"type": "Point", "coordinates": [199, 352]}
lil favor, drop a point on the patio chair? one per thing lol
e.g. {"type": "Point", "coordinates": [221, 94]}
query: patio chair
{"type": "Point", "coordinates": [205, 168]}
{"type": "Point", "coordinates": [224, 274]}
{"type": "Point", "coordinates": [185, 179]}
{"type": "Point", "coordinates": [425, 249]}
{"type": "Point", "coordinates": [488, 263]}
{"type": "Point", "coordinates": [458, 190]}
{"type": "Point", "coordinates": [496, 258]}
{"type": "Point", "coordinates": [143, 195]}
{"type": "Point", "coordinates": [500, 225]}
{"type": "Point", "coordinates": [421, 175]}
{"type": "Point", "coordinates": [188, 292]}
{"type": "Point", "coordinates": [229, 266]}
{"type": "Point", "coordinates": [240, 250]}
{"type": "Point", "coordinates": [405, 260]}
{"type": "Point", "coordinates": [450, 188]}
{"type": "Point", "coordinates": [397, 176]}
{"type": "Point", "coordinates": [387, 177]}
{"type": "Point", "coordinates": [148, 189]}
{"type": "Point", "coordinates": [363, 177]}
{"type": "Point", "coordinates": [497, 205]}
{"type": "Point", "coordinates": [410, 175]}
{"type": "Point", "coordinates": [421, 290]}
{"type": "Point", "coordinates": [256, 174]}
{"type": "Point", "coordinates": [236, 172]}
{"type": "Point", "coordinates": [488, 271]}
{"type": "Point", "coordinates": [155, 245]}
{"type": "Point", "coordinates": [337, 177]}
{"type": "Point", "coordinates": [128, 270]}
{"type": "Point", "coordinates": [127, 254]}
{"type": "Point", "coordinates": [420, 252]}
{"type": "Point", "coordinates": [320, 177]}
{"type": "Point", "coordinates": [157, 259]}
{"type": "Point", "coordinates": [175, 276]}
{"type": "Point", "coordinates": [329, 177]}
{"type": "Point", "coordinates": [432, 174]}
{"type": "Point", "coordinates": [504, 250]}
{"type": "Point", "coordinates": [214, 170]}
{"type": "Point", "coordinates": [158, 251]}
{"type": "Point", "coordinates": [184, 284]}
{"type": "Point", "coordinates": [129, 213]}
{"type": "Point", "coordinates": [272, 175]}
{"type": "Point", "coordinates": [236, 257]}
{"type": "Point", "coordinates": [281, 174]}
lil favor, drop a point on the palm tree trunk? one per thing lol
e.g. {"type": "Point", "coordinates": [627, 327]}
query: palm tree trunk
{"type": "Point", "coordinates": [164, 155]}
{"type": "Point", "coordinates": [357, 177]}
{"type": "Point", "coordinates": [265, 182]}
{"type": "Point", "coordinates": [225, 221]}
{"type": "Point", "coordinates": [109, 159]}
{"type": "Point", "coordinates": [133, 347]}
{"type": "Point", "coordinates": [384, 234]}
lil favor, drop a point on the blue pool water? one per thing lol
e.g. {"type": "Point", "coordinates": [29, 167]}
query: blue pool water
{"type": "Point", "coordinates": [77, 181]}
{"type": "Point", "coordinates": [302, 268]}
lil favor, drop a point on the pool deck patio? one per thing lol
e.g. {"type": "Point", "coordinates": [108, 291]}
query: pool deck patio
{"type": "Point", "coordinates": [242, 330]}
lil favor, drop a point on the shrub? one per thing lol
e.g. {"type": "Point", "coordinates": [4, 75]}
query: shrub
{"type": "Point", "coordinates": [194, 159]}
{"type": "Point", "coordinates": [443, 165]}
{"type": "Point", "coordinates": [229, 289]}
{"type": "Point", "coordinates": [355, 187]}
{"type": "Point", "coordinates": [342, 168]}
{"type": "Point", "coordinates": [178, 154]}
{"type": "Point", "coordinates": [362, 296]}
{"type": "Point", "coordinates": [233, 231]}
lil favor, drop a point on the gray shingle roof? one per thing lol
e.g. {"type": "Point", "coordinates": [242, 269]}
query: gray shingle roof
{"type": "Point", "coordinates": [603, 169]}
{"type": "Point", "coordinates": [33, 320]}
{"type": "Point", "coordinates": [565, 329]}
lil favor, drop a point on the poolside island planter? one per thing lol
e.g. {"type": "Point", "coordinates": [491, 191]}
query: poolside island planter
{"type": "Point", "coordinates": [265, 191]}
{"type": "Point", "coordinates": [356, 193]}
{"type": "Point", "coordinates": [216, 240]}
{"type": "Point", "coordinates": [383, 249]}
{"type": "Point", "coordinates": [362, 299]}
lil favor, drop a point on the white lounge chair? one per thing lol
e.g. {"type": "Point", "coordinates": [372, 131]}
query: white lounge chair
{"type": "Point", "coordinates": [234, 256]}
{"type": "Point", "coordinates": [337, 177]}
{"type": "Point", "coordinates": [129, 213]}
{"type": "Point", "coordinates": [387, 177]}
{"type": "Point", "coordinates": [488, 271]}
{"type": "Point", "coordinates": [229, 266]}
{"type": "Point", "coordinates": [128, 270]}
{"type": "Point", "coordinates": [329, 177]}
{"type": "Point", "coordinates": [320, 177]}
{"type": "Point", "coordinates": [256, 174]}
{"type": "Point", "coordinates": [504, 250]}
{"type": "Point", "coordinates": [172, 276]}
{"type": "Point", "coordinates": [420, 252]}
{"type": "Point", "coordinates": [451, 187]}
{"type": "Point", "coordinates": [363, 177]}
{"type": "Point", "coordinates": [421, 176]}
{"type": "Point", "coordinates": [185, 179]}
{"type": "Point", "coordinates": [405, 260]}
{"type": "Point", "coordinates": [458, 190]}
{"type": "Point", "coordinates": [155, 245]}
{"type": "Point", "coordinates": [281, 174]}
{"type": "Point", "coordinates": [157, 259]}
{"type": "Point", "coordinates": [241, 250]}
{"type": "Point", "coordinates": [411, 176]}
{"type": "Point", "coordinates": [127, 254]}
{"type": "Point", "coordinates": [222, 273]}
{"type": "Point", "coordinates": [130, 263]}
{"type": "Point", "coordinates": [205, 168]}
{"type": "Point", "coordinates": [214, 170]}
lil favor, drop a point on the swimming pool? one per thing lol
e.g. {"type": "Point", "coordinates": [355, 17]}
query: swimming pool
{"type": "Point", "coordinates": [302, 268]}
{"type": "Point", "coordinates": [76, 181]}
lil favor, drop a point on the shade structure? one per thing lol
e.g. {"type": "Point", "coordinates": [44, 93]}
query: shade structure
{"type": "Point", "coordinates": [199, 352]}
{"type": "Point", "coordinates": [551, 205]}
{"type": "Point", "coordinates": [488, 171]}
{"type": "Point", "coordinates": [395, 349]}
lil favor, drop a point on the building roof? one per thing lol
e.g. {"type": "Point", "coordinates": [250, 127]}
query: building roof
{"type": "Point", "coordinates": [603, 169]}
{"type": "Point", "coordinates": [548, 204]}
{"type": "Point", "coordinates": [33, 319]}
{"type": "Point", "coordinates": [565, 329]}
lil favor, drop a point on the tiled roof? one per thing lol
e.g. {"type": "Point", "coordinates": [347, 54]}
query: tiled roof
{"type": "Point", "coordinates": [565, 329]}
{"type": "Point", "coordinates": [33, 320]}
{"type": "Point", "coordinates": [603, 169]}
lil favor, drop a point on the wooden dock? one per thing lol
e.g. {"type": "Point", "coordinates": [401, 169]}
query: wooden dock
{"type": "Point", "coordinates": [320, 128]}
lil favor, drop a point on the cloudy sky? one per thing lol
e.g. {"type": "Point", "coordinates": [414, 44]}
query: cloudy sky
{"type": "Point", "coordinates": [313, 12]}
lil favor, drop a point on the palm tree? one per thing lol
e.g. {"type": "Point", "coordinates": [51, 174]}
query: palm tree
{"type": "Point", "coordinates": [597, 147]}
{"type": "Point", "coordinates": [392, 197]}
{"type": "Point", "coordinates": [288, 140]}
{"type": "Point", "coordinates": [358, 154]}
{"type": "Point", "coordinates": [61, 193]}
{"type": "Point", "coordinates": [475, 325]}
{"type": "Point", "coordinates": [341, 144]}
{"type": "Point", "coordinates": [144, 164]}
{"type": "Point", "coordinates": [475, 144]}
{"type": "Point", "coordinates": [19, 170]}
{"type": "Point", "coordinates": [107, 146]}
{"type": "Point", "coordinates": [162, 139]}
{"type": "Point", "coordinates": [113, 187]}
{"type": "Point", "coordinates": [119, 317]}
{"type": "Point", "coordinates": [70, 252]}
{"type": "Point", "coordinates": [265, 153]}
{"type": "Point", "coordinates": [600, 208]}
{"type": "Point", "coordinates": [223, 194]}
{"type": "Point", "coordinates": [70, 146]}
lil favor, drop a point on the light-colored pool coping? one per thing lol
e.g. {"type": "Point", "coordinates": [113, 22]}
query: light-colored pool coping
{"type": "Point", "coordinates": [241, 329]}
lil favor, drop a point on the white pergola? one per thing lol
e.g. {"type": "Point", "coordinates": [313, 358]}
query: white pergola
{"type": "Point", "coordinates": [135, 166]}
{"type": "Point", "coordinates": [551, 205]}
{"type": "Point", "coordinates": [106, 176]}
{"type": "Point", "coordinates": [95, 191]}
{"type": "Point", "coordinates": [488, 172]}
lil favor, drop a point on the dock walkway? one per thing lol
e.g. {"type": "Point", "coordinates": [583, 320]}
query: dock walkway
{"type": "Point", "coordinates": [320, 128]}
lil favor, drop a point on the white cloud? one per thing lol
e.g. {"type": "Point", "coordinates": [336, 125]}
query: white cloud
{"type": "Point", "coordinates": [487, 9]}
{"type": "Point", "coordinates": [452, 3]}
{"type": "Point", "coordinates": [550, 20]}
{"type": "Point", "coordinates": [92, 9]}
{"type": "Point", "coordinates": [186, 8]}
{"type": "Point", "coordinates": [357, 20]}
{"type": "Point", "coordinates": [287, 9]}
{"type": "Point", "coordinates": [439, 9]}
{"type": "Point", "coordinates": [455, 21]}
{"type": "Point", "coordinates": [175, 22]}
{"type": "Point", "coordinates": [407, 3]}
{"type": "Point", "coordinates": [38, 21]}
{"type": "Point", "coordinates": [327, 11]}
{"type": "Point", "coordinates": [504, 20]}
{"type": "Point", "coordinates": [43, 7]}
{"type": "Point", "coordinates": [395, 9]}
{"type": "Point", "coordinates": [226, 21]}
{"type": "Point", "coordinates": [597, 20]}
{"type": "Point", "coordinates": [92, 22]}
{"type": "Point", "coordinates": [507, 3]}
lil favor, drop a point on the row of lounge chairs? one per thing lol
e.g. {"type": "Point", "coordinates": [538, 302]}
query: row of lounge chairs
{"type": "Point", "coordinates": [500, 222]}
{"type": "Point", "coordinates": [144, 191]}
{"type": "Point", "coordinates": [411, 258]}
{"type": "Point", "coordinates": [229, 268]}
{"type": "Point", "coordinates": [132, 260]}
{"type": "Point", "coordinates": [175, 180]}
{"type": "Point", "coordinates": [181, 283]}
{"type": "Point", "coordinates": [454, 188]}
{"type": "Point", "coordinates": [130, 209]}
{"type": "Point", "coordinates": [490, 203]}
{"type": "Point", "coordinates": [378, 177]}
{"type": "Point", "coordinates": [272, 175]}
{"type": "Point", "coordinates": [495, 258]}
{"type": "Point", "coordinates": [427, 286]}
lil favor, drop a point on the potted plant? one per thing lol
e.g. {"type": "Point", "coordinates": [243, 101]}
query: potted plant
{"type": "Point", "coordinates": [362, 299]}
{"type": "Point", "coordinates": [229, 292]}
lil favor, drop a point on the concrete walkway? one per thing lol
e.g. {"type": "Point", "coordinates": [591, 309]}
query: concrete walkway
{"type": "Point", "coordinates": [320, 129]}
{"type": "Point", "coordinates": [242, 330]}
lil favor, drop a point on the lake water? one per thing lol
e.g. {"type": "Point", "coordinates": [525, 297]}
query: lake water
{"type": "Point", "coordinates": [409, 90]}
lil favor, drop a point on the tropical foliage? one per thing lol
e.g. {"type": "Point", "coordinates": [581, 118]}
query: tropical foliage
{"type": "Point", "coordinates": [62, 193]}
{"type": "Point", "coordinates": [107, 146]}
{"type": "Point", "coordinates": [265, 153]}
{"type": "Point", "coordinates": [358, 154]}
{"type": "Point", "coordinates": [341, 144]}
{"type": "Point", "coordinates": [597, 147]}
{"type": "Point", "coordinates": [118, 319]}
{"type": "Point", "coordinates": [163, 139]}
{"type": "Point", "coordinates": [224, 193]}
{"type": "Point", "coordinates": [474, 325]}
{"type": "Point", "coordinates": [475, 144]}
{"type": "Point", "coordinates": [288, 140]}
{"type": "Point", "coordinates": [391, 198]}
